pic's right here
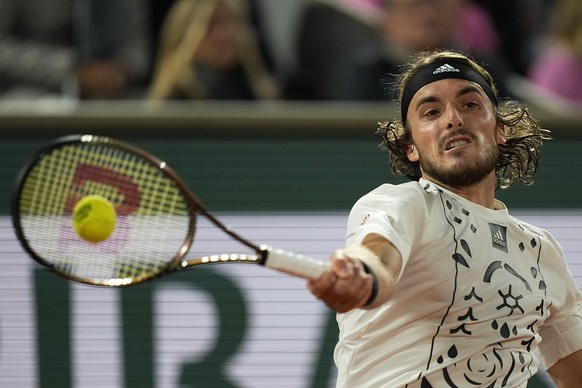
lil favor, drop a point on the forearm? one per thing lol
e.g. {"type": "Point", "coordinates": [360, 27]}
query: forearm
{"type": "Point", "coordinates": [360, 275]}
{"type": "Point", "coordinates": [385, 262]}
{"type": "Point", "coordinates": [567, 373]}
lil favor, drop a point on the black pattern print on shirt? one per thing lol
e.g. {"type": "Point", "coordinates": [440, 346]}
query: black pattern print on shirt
{"type": "Point", "coordinates": [512, 292]}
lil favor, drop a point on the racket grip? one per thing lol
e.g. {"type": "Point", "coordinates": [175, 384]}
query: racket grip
{"type": "Point", "coordinates": [293, 263]}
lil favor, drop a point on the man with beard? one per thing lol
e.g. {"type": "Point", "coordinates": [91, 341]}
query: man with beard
{"type": "Point", "coordinates": [438, 285]}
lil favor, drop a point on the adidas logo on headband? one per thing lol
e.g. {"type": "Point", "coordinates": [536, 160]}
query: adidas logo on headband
{"type": "Point", "coordinates": [446, 68]}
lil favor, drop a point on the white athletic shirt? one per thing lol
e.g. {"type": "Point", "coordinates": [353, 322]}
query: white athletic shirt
{"type": "Point", "coordinates": [482, 297]}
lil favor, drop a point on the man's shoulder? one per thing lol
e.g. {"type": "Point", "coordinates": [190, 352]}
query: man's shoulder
{"type": "Point", "coordinates": [395, 192]}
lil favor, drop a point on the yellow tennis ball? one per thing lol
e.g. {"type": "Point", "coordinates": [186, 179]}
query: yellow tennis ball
{"type": "Point", "coordinates": [94, 218]}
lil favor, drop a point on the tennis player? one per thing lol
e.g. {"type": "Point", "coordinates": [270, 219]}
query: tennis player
{"type": "Point", "coordinates": [439, 286]}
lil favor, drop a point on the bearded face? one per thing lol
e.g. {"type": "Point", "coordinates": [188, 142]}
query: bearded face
{"type": "Point", "coordinates": [468, 168]}
{"type": "Point", "coordinates": [454, 132]}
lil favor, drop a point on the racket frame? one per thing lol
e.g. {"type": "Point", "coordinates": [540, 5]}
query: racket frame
{"type": "Point", "coordinates": [263, 255]}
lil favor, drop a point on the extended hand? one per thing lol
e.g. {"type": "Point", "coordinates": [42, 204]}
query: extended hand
{"type": "Point", "coordinates": [346, 285]}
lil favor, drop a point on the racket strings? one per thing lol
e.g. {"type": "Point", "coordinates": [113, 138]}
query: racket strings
{"type": "Point", "coordinates": [153, 216]}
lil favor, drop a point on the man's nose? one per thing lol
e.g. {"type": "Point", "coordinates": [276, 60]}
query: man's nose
{"type": "Point", "coordinates": [454, 119]}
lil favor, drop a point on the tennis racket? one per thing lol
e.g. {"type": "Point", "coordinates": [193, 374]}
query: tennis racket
{"type": "Point", "coordinates": [155, 224]}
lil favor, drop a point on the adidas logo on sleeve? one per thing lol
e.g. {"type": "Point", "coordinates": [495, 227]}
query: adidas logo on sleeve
{"type": "Point", "coordinates": [446, 68]}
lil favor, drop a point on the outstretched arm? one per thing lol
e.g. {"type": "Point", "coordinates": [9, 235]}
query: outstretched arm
{"type": "Point", "coordinates": [360, 276]}
{"type": "Point", "coordinates": [567, 373]}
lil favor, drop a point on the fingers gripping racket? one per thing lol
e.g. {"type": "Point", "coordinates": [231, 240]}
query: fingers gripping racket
{"type": "Point", "coordinates": [155, 216]}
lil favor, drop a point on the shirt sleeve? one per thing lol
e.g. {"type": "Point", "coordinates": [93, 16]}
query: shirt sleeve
{"type": "Point", "coordinates": [395, 212]}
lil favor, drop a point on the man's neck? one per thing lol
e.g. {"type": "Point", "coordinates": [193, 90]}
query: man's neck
{"type": "Point", "coordinates": [481, 193]}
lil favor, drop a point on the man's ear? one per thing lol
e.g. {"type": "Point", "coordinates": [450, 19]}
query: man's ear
{"type": "Point", "coordinates": [500, 133]}
{"type": "Point", "coordinates": [412, 153]}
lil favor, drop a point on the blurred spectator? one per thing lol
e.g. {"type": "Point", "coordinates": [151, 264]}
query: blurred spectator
{"type": "Point", "coordinates": [208, 50]}
{"type": "Point", "coordinates": [327, 33]}
{"type": "Point", "coordinates": [366, 8]}
{"type": "Point", "coordinates": [402, 28]}
{"type": "Point", "coordinates": [89, 49]}
{"type": "Point", "coordinates": [476, 31]}
{"type": "Point", "coordinates": [558, 68]}
{"type": "Point", "coordinates": [159, 9]}
{"type": "Point", "coordinates": [521, 25]}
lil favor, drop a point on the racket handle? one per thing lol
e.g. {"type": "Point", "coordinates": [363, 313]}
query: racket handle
{"type": "Point", "coordinates": [293, 263]}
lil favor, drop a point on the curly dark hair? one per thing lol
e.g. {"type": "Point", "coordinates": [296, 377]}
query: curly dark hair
{"type": "Point", "coordinates": [519, 156]}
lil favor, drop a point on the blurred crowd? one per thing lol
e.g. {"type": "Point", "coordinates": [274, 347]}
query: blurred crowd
{"type": "Point", "coordinates": [232, 49]}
